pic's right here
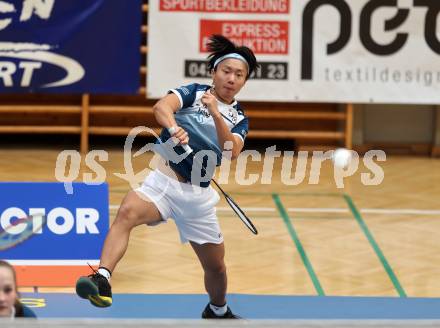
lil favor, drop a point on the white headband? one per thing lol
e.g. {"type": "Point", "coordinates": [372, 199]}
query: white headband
{"type": "Point", "coordinates": [231, 55]}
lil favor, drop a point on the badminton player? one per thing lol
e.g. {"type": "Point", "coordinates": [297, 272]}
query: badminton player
{"type": "Point", "coordinates": [206, 117]}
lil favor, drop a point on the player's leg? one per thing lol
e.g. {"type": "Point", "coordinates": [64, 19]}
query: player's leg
{"type": "Point", "coordinates": [211, 257]}
{"type": "Point", "coordinates": [134, 210]}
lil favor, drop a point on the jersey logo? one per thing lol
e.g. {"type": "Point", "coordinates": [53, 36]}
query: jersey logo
{"type": "Point", "coordinates": [185, 90]}
{"type": "Point", "coordinates": [202, 110]}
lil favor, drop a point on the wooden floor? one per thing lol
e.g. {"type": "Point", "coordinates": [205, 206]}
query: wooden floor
{"type": "Point", "coordinates": [376, 241]}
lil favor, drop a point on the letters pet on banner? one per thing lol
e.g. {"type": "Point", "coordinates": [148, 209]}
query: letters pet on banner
{"type": "Point", "coordinates": [75, 229]}
{"type": "Point", "coordinates": [70, 46]}
{"type": "Point", "coordinates": [310, 50]}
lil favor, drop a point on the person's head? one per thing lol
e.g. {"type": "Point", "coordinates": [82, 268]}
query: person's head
{"type": "Point", "coordinates": [230, 66]}
{"type": "Point", "coordinates": [8, 289]}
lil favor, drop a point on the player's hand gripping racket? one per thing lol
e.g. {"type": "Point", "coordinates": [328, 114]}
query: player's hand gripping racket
{"type": "Point", "coordinates": [243, 217]}
{"type": "Point", "coordinates": [20, 230]}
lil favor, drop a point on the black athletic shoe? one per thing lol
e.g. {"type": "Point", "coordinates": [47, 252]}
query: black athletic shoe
{"type": "Point", "coordinates": [209, 314]}
{"type": "Point", "coordinates": [95, 288]}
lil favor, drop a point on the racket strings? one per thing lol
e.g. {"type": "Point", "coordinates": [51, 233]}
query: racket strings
{"type": "Point", "coordinates": [241, 215]}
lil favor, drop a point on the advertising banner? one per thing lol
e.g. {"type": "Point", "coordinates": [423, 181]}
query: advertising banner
{"type": "Point", "coordinates": [309, 50]}
{"type": "Point", "coordinates": [72, 236]}
{"type": "Point", "coordinates": [70, 46]}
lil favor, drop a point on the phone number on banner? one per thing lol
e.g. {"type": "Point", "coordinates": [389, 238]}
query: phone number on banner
{"type": "Point", "coordinates": [267, 70]}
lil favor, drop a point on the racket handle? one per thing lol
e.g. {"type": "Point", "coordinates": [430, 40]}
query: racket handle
{"type": "Point", "coordinates": [188, 150]}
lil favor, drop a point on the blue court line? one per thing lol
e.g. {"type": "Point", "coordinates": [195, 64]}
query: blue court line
{"type": "Point", "coordinates": [375, 246]}
{"type": "Point", "coordinates": [176, 306]}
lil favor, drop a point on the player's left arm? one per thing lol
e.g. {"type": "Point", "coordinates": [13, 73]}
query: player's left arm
{"type": "Point", "coordinates": [223, 133]}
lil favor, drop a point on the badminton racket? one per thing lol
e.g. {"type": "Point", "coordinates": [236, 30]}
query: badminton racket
{"type": "Point", "coordinates": [20, 230]}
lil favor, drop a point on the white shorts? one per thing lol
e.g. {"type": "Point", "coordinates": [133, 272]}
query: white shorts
{"type": "Point", "coordinates": [191, 207]}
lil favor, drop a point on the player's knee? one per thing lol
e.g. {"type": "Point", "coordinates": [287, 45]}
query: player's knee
{"type": "Point", "coordinates": [127, 216]}
{"type": "Point", "coordinates": [216, 268]}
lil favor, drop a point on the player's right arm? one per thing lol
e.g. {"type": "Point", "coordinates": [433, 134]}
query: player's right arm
{"type": "Point", "coordinates": [164, 111]}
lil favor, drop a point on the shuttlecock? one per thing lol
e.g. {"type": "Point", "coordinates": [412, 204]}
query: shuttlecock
{"type": "Point", "coordinates": [341, 157]}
